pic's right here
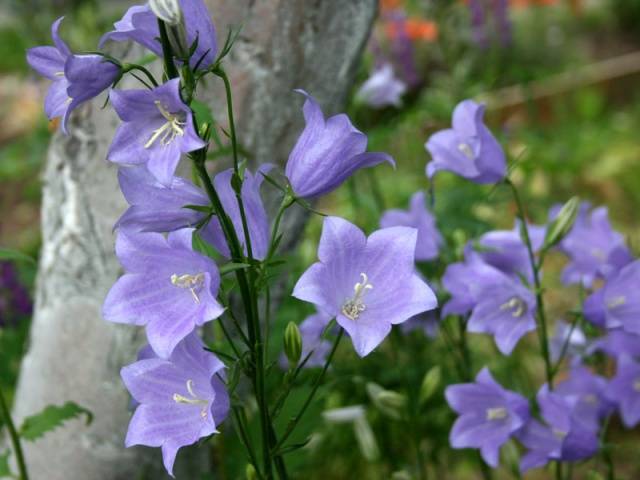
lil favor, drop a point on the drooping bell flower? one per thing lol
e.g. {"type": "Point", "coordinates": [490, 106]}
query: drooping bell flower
{"type": "Point", "coordinates": [327, 152]}
{"type": "Point", "coordinates": [563, 437]}
{"type": "Point", "coordinates": [157, 129]}
{"type": "Point", "coordinates": [506, 310]}
{"type": "Point", "coordinates": [367, 284]}
{"type": "Point", "coordinates": [616, 304]}
{"type": "Point", "coordinates": [75, 78]}
{"type": "Point", "coordinates": [595, 250]}
{"type": "Point", "coordinates": [569, 338]}
{"type": "Point", "coordinates": [140, 24]}
{"type": "Point", "coordinates": [167, 287]}
{"type": "Point", "coordinates": [155, 207]}
{"type": "Point", "coordinates": [624, 391]}
{"type": "Point", "coordinates": [420, 218]}
{"type": "Point", "coordinates": [427, 322]}
{"type": "Point", "coordinates": [468, 149]}
{"type": "Point", "coordinates": [256, 215]}
{"type": "Point", "coordinates": [488, 415]}
{"type": "Point", "coordinates": [382, 89]}
{"type": "Point", "coordinates": [179, 400]}
{"type": "Point", "coordinates": [617, 343]}
{"type": "Point", "coordinates": [586, 393]}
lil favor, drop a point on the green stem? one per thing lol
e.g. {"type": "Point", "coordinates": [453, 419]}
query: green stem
{"type": "Point", "coordinates": [376, 191]}
{"type": "Point", "coordinates": [535, 267]}
{"type": "Point", "coordinates": [15, 439]}
{"type": "Point", "coordinates": [245, 439]}
{"type": "Point", "coordinates": [167, 53]}
{"type": "Point", "coordinates": [131, 66]}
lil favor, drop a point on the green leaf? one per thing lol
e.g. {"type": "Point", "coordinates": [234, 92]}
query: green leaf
{"type": "Point", "coordinates": [232, 267]}
{"type": "Point", "coordinates": [292, 448]}
{"type": "Point", "coordinates": [202, 112]}
{"type": "Point", "coordinates": [5, 471]}
{"type": "Point", "coordinates": [8, 254]}
{"type": "Point", "coordinates": [51, 418]}
{"type": "Point", "coordinates": [199, 245]}
{"type": "Point", "coordinates": [199, 208]}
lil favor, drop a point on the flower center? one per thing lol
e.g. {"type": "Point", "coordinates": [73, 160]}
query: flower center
{"type": "Point", "coordinates": [194, 400]}
{"type": "Point", "coordinates": [466, 150]}
{"type": "Point", "coordinates": [353, 307]}
{"type": "Point", "coordinates": [169, 130]}
{"type": "Point", "coordinates": [616, 302]}
{"type": "Point", "coordinates": [591, 399]}
{"type": "Point", "coordinates": [192, 282]}
{"type": "Point", "coordinates": [497, 413]}
{"type": "Point", "coordinates": [599, 254]}
{"type": "Point", "coordinates": [559, 434]}
{"type": "Point", "coordinates": [636, 385]}
{"type": "Point", "coordinates": [516, 305]}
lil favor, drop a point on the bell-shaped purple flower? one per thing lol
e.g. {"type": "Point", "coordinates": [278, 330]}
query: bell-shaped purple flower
{"type": "Point", "coordinates": [367, 284]}
{"type": "Point", "coordinates": [563, 437]}
{"type": "Point", "coordinates": [256, 215]}
{"type": "Point", "coordinates": [617, 343]}
{"type": "Point", "coordinates": [489, 415]}
{"type": "Point", "coordinates": [157, 129]}
{"type": "Point", "coordinates": [167, 286]}
{"type": "Point", "coordinates": [327, 152]}
{"type": "Point", "coordinates": [420, 218]}
{"type": "Point", "coordinates": [586, 394]}
{"type": "Point", "coordinates": [382, 88]}
{"type": "Point", "coordinates": [155, 207]}
{"type": "Point", "coordinates": [141, 25]}
{"type": "Point", "coordinates": [617, 304]}
{"type": "Point", "coordinates": [468, 149]}
{"type": "Point", "coordinates": [595, 250]}
{"type": "Point", "coordinates": [624, 391]}
{"type": "Point", "coordinates": [178, 400]}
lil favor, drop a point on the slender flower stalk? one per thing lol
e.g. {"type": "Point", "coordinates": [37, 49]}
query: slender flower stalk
{"type": "Point", "coordinates": [5, 414]}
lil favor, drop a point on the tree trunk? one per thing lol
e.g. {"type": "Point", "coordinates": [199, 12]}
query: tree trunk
{"type": "Point", "coordinates": [74, 354]}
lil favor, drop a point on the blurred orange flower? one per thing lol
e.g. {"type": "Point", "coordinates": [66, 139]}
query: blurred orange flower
{"type": "Point", "coordinates": [414, 28]}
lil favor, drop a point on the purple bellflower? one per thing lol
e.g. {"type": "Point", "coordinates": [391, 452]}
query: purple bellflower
{"type": "Point", "coordinates": [141, 25]}
{"type": "Point", "coordinates": [624, 390]}
{"type": "Point", "coordinates": [489, 415]}
{"type": "Point", "coordinates": [256, 215]}
{"type": "Point", "coordinates": [75, 78]}
{"type": "Point", "coordinates": [564, 437]}
{"type": "Point", "coordinates": [617, 343]}
{"type": "Point", "coordinates": [382, 89]}
{"type": "Point", "coordinates": [157, 128]}
{"type": "Point", "coordinates": [327, 152]}
{"type": "Point", "coordinates": [155, 207]}
{"type": "Point", "coordinates": [167, 286]}
{"type": "Point", "coordinates": [617, 304]}
{"type": "Point", "coordinates": [367, 284]}
{"type": "Point", "coordinates": [178, 400]}
{"type": "Point", "coordinates": [427, 322]}
{"type": "Point", "coordinates": [586, 393]}
{"type": "Point", "coordinates": [595, 250]}
{"type": "Point", "coordinates": [420, 218]}
{"type": "Point", "coordinates": [468, 149]}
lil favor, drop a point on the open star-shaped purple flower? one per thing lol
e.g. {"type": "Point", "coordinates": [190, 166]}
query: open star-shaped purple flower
{"type": "Point", "coordinates": [327, 152]}
{"type": "Point", "coordinates": [167, 287]}
{"type": "Point", "coordinates": [382, 88]}
{"type": "Point", "coordinates": [624, 390]}
{"type": "Point", "coordinates": [157, 128]}
{"type": "Point", "coordinates": [468, 149]}
{"type": "Point", "coordinates": [75, 78]}
{"type": "Point", "coordinates": [141, 25]}
{"type": "Point", "coordinates": [179, 400]}
{"type": "Point", "coordinates": [489, 415]}
{"type": "Point", "coordinates": [420, 218]}
{"type": "Point", "coordinates": [367, 284]}
{"type": "Point", "coordinates": [595, 250]}
{"type": "Point", "coordinates": [563, 437]}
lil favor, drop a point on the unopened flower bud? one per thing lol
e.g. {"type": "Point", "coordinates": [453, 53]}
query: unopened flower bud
{"type": "Point", "coordinates": [563, 222]}
{"type": "Point", "coordinates": [430, 384]}
{"type": "Point", "coordinates": [366, 439]}
{"type": "Point", "coordinates": [250, 472]}
{"type": "Point", "coordinates": [292, 344]}
{"type": "Point", "coordinates": [388, 402]}
{"type": "Point", "coordinates": [168, 11]}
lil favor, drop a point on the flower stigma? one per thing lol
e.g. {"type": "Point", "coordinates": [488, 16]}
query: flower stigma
{"type": "Point", "coordinates": [354, 307]}
{"type": "Point", "coordinates": [466, 150]}
{"type": "Point", "coordinates": [616, 302]}
{"type": "Point", "coordinates": [516, 305]}
{"type": "Point", "coordinates": [191, 282]}
{"type": "Point", "coordinates": [194, 400]}
{"type": "Point", "coordinates": [169, 131]}
{"type": "Point", "coordinates": [497, 413]}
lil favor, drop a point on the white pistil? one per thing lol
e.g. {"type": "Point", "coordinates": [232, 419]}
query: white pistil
{"type": "Point", "coordinates": [559, 434]}
{"type": "Point", "coordinates": [192, 282]}
{"type": "Point", "coordinates": [168, 131]}
{"type": "Point", "coordinates": [194, 400]}
{"type": "Point", "coordinates": [59, 74]}
{"type": "Point", "coordinates": [616, 302]}
{"type": "Point", "coordinates": [516, 305]}
{"type": "Point", "coordinates": [466, 150]}
{"type": "Point", "coordinates": [497, 413]}
{"type": "Point", "coordinates": [355, 306]}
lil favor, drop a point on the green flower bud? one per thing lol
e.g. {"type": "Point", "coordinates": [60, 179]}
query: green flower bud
{"type": "Point", "coordinates": [563, 223]}
{"type": "Point", "coordinates": [250, 472]}
{"type": "Point", "coordinates": [388, 402]}
{"type": "Point", "coordinates": [366, 439]}
{"type": "Point", "coordinates": [292, 344]}
{"type": "Point", "coordinates": [430, 384]}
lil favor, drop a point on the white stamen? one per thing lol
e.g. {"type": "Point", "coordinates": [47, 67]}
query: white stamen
{"type": "Point", "coordinates": [59, 74]}
{"type": "Point", "coordinates": [517, 306]}
{"type": "Point", "coordinates": [497, 413]}
{"type": "Point", "coordinates": [616, 302]}
{"type": "Point", "coordinates": [168, 131]}
{"type": "Point", "coordinates": [559, 433]}
{"type": "Point", "coordinates": [466, 150]}
{"type": "Point", "coordinates": [194, 400]}
{"type": "Point", "coordinates": [353, 307]}
{"type": "Point", "coordinates": [192, 282]}
{"type": "Point", "coordinates": [599, 254]}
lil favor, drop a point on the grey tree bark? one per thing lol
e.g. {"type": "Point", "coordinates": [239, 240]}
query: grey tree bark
{"type": "Point", "coordinates": [73, 353]}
